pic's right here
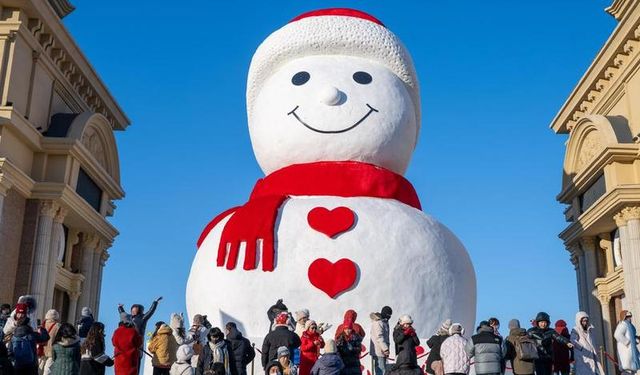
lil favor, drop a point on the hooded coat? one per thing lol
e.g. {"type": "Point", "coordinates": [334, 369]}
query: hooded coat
{"type": "Point", "coordinates": [242, 350]}
{"type": "Point", "coordinates": [163, 346]}
{"type": "Point", "coordinates": [628, 356]}
{"type": "Point", "coordinates": [126, 345]}
{"type": "Point", "coordinates": [349, 348]}
{"type": "Point", "coordinates": [379, 335]}
{"type": "Point", "coordinates": [66, 357]}
{"type": "Point", "coordinates": [51, 324]}
{"type": "Point", "coordinates": [309, 351]}
{"type": "Point", "coordinates": [584, 348]}
{"type": "Point", "coordinates": [85, 322]}
{"type": "Point", "coordinates": [40, 336]}
{"type": "Point", "coordinates": [350, 315]}
{"type": "Point", "coordinates": [182, 366]}
{"type": "Point", "coordinates": [328, 364]}
{"type": "Point", "coordinates": [562, 354]}
{"type": "Point", "coordinates": [280, 336]}
{"type": "Point", "coordinates": [406, 344]}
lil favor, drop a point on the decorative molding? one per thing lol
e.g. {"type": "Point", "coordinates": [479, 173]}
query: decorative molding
{"type": "Point", "coordinates": [609, 286]}
{"type": "Point", "coordinates": [13, 176]}
{"type": "Point", "coordinates": [631, 213]}
{"type": "Point", "coordinates": [588, 243]}
{"type": "Point", "coordinates": [60, 215]}
{"type": "Point", "coordinates": [62, 7]}
{"type": "Point", "coordinates": [48, 208]}
{"type": "Point", "coordinates": [619, 8]}
{"type": "Point", "coordinates": [620, 220]}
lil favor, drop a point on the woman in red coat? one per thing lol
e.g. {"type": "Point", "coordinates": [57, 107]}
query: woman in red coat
{"type": "Point", "coordinates": [126, 344]}
{"type": "Point", "coordinates": [311, 343]}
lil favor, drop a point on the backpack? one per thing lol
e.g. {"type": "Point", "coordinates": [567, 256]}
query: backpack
{"type": "Point", "coordinates": [526, 348]}
{"type": "Point", "coordinates": [22, 350]}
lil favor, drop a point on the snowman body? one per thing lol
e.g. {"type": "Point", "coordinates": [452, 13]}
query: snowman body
{"type": "Point", "coordinates": [404, 258]}
{"type": "Point", "coordinates": [333, 87]}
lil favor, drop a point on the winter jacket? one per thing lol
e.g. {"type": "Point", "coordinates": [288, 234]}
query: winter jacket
{"type": "Point", "coordinates": [454, 356]}
{"type": "Point", "coordinates": [84, 324]}
{"type": "Point", "coordinates": [66, 357]}
{"type": "Point", "coordinates": [520, 366]}
{"type": "Point", "coordinates": [242, 350]}
{"type": "Point", "coordinates": [562, 354]}
{"type": "Point", "coordinates": [328, 364]}
{"type": "Point", "coordinates": [628, 356]}
{"type": "Point", "coordinates": [350, 315]}
{"type": "Point", "coordinates": [182, 366]}
{"type": "Point", "coordinates": [309, 351]}
{"type": "Point", "coordinates": [205, 360]}
{"type": "Point", "coordinates": [24, 330]}
{"type": "Point", "coordinates": [544, 340]}
{"type": "Point", "coordinates": [406, 342]}
{"type": "Point", "coordinates": [140, 320]}
{"type": "Point", "coordinates": [126, 345]}
{"type": "Point", "coordinates": [280, 336]}
{"type": "Point", "coordinates": [89, 366]}
{"type": "Point", "coordinates": [163, 346]}
{"type": "Point", "coordinates": [434, 344]}
{"type": "Point", "coordinates": [584, 348]}
{"type": "Point", "coordinates": [6, 367]}
{"type": "Point", "coordinates": [487, 351]}
{"type": "Point", "coordinates": [349, 349]}
{"type": "Point", "coordinates": [52, 327]}
{"type": "Point", "coordinates": [379, 343]}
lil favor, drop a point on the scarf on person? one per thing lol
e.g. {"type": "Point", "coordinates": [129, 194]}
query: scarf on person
{"type": "Point", "coordinates": [220, 354]}
{"type": "Point", "coordinates": [255, 221]}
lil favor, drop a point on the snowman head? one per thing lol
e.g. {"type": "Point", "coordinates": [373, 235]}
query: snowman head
{"type": "Point", "coordinates": [333, 85]}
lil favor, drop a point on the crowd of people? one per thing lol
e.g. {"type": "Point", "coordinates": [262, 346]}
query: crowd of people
{"type": "Point", "coordinates": [295, 345]}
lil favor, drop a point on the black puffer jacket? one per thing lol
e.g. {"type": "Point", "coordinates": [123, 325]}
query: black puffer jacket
{"type": "Point", "coordinates": [405, 347]}
{"type": "Point", "coordinates": [349, 350]}
{"type": "Point", "coordinates": [434, 343]}
{"type": "Point", "coordinates": [280, 336]}
{"type": "Point", "coordinates": [242, 350]}
{"type": "Point", "coordinates": [544, 340]}
{"type": "Point", "coordinates": [6, 368]}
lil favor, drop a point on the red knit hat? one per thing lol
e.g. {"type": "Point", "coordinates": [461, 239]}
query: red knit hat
{"type": "Point", "coordinates": [22, 308]}
{"type": "Point", "coordinates": [282, 318]}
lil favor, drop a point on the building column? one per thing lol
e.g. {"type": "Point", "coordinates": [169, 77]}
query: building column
{"type": "Point", "coordinates": [607, 332]}
{"type": "Point", "coordinates": [73, 306]}
{"type": "Point", "coordinates": [594, 308]}
{"type": "Point", "coordinates": [57, 236]}
{"type": "Point", "coordinates": [4, 189]}
{"type": "Point", "coordinates": [40, 267]}
{"type": "Point", "coordinates": [628, 221]}
{"type": "Point", "coordinates": [100, 257]}
{"type": "Point", "coordinates": [577, 259]}
{"type": "Point", "coordinates": [89, 243]}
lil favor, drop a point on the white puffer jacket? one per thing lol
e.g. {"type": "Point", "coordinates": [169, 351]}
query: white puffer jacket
{"type": "Point", "coordinates": [453, 354]}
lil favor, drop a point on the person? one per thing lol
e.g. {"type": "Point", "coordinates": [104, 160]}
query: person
{"type": "Point", "coordinates": [562, 355]}
{"type": "Point", "coordinates": [163, 346]}
{"type": "Point", "coordinates": [85, 323]}
{"type": "Point", "coordinates": [280, 336]}
{"type": "Point", "coordinates": [5, 312]}
{"type": "Point", "coordinates": [626, 338]}
{"type": "Point", "coordinates": [22, 346]}
{"type": "Point", "coordinates": [584, 347]}
{"type": "Point", "coordinates": [274, 311]}
{"type": "Point", "coordinates": [406, 340]}
{"type": "Point", "coordinates": [6, 367]}
{"type": "Point", "coordinates": [284, 357]}
{"type": "Point", "coordinates": [273, 368]}
{"type": "Point", "coordinates": [350, 316]}
{"type": "Point", "coordinates": [311, 343]}
{"type": "Point", "coordinates": [521, 363]}
{"type": "Point", "coordinates": [452, 351]}
{"type": "Point", "coordinates": [45, 350]}
{"type": "Point", "coordinates": [127, 344]}
{"type": "Point", "coordinates": [544, 337]}
{"type": "Point", "coordinates": [66, 351]}
{"type": "Point", "coordinates": [486, 349]}
{"type": "Point", "coordinates": [198, 337]}
{"type": "Point", "coordinates": [217, 350]}
{"type": "Point", "coordinates": [301, 317]}
{"type": "Point", "coordinates": [349, 348]}
{"type": "Point", "coordinates": [434, 362]}
{"type": "Point", "coordinates": [139, 317]}
{"type": "Point", "coordinates": [11, 323]}
{"type": "Point", "coordinates": [93, 358]}
{"type": "Point", "coordinates": [495, 324]}
{"type": "Point", "coordinates": [379, 343]}
{"type": "Point", "coordinates": [179, 332]}
{"type": "Point", "coordinates": [182, 365]}
{"type": "Point", "coordinates": [242, 348]}
{"type": "Point", "coordinates": [330, 362]}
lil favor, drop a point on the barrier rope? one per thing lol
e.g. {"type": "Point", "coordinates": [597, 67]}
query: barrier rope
{"type": "Point", "coordinates": [610, 358]}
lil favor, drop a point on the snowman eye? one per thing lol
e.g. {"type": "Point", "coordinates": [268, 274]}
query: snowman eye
{"type": "Point", "coordinates": [300, 78]}
{"type": "Point", "coordinates": [362, 78]}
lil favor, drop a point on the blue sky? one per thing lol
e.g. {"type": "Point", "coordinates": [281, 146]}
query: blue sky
{"type": "Point", "coordinates": [493, 75]}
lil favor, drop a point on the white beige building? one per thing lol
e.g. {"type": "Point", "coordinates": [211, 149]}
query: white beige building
{"type": "Point", "coordinates": [59, 167]}
{"type": "Point", "coordinates": [601, 176]}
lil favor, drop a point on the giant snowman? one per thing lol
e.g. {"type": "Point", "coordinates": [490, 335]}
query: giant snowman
{"type": "Point", "coordinates": [334, 115]}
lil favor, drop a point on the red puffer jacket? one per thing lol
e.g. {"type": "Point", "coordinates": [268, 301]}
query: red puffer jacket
{"type": "Point", "coordinates": [309, 351]}
{"type": "Point", "coordinates": [126, 344]}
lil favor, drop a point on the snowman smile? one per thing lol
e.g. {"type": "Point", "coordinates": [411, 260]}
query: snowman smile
{"type": "Point", "coordinates": [293, 112]}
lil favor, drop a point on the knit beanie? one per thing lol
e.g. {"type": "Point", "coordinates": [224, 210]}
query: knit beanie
{"type": "Point", "coordinates": [513, 324]}
{"type": "Point", "coordinates": [444, 328]}
{"type": "Point", "coordinates": [329, 346]}
{"type": "Point", "coordinates": [184, 353]}
{"type": "Point", "coordinates": [301, 314]}
{"type": "Point", "coordinates": [86, 311]}
{"type": "Point", "coordinates": [282, 318]}
{"type": "Point", "coordinates": [309, 323]}
{"type": "Point", "coordinates": [52, 315]}
{"type": "Point", "coordinates": [456, 328]}
{"type": "Point", "coordinates": [386, 312]}
{"type": "Point", "coordinates": [22, 308]}
{"type": "Point", "coordinates": [335, 31]}
{"type": "Point", "coordinates": [283, 351]}
{"type": "Point", "coordinates": [198, 319]}
{"type": "Point", "coordinates": [406, 319]}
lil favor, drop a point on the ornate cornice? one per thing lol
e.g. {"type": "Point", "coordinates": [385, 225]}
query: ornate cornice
{"type": "Point", "coordinates": [588, 243]}
{"type": "Point", "coordinates": [62, 7]}
{"type": "Point", "coordinates": [618, 9]}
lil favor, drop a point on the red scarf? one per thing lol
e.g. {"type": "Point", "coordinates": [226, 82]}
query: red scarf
{"type": "Point", "coordinates": [256, 220]}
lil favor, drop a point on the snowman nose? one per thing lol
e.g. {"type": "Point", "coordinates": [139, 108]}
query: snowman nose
{"type": "Point", "coordinates": [330, 95]}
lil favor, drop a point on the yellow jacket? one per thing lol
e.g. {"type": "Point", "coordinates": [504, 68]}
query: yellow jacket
{"type": "Point", "coordinates": [164, 347]}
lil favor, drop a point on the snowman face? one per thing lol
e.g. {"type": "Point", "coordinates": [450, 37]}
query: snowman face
{"type": "Point", "coordinates": [333, 108]}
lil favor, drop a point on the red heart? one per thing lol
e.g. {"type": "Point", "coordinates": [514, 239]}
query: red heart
{"type": "Point", "coordinates": [333, 278]}
{"type": "Point", "coordinates": [331, 222]}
